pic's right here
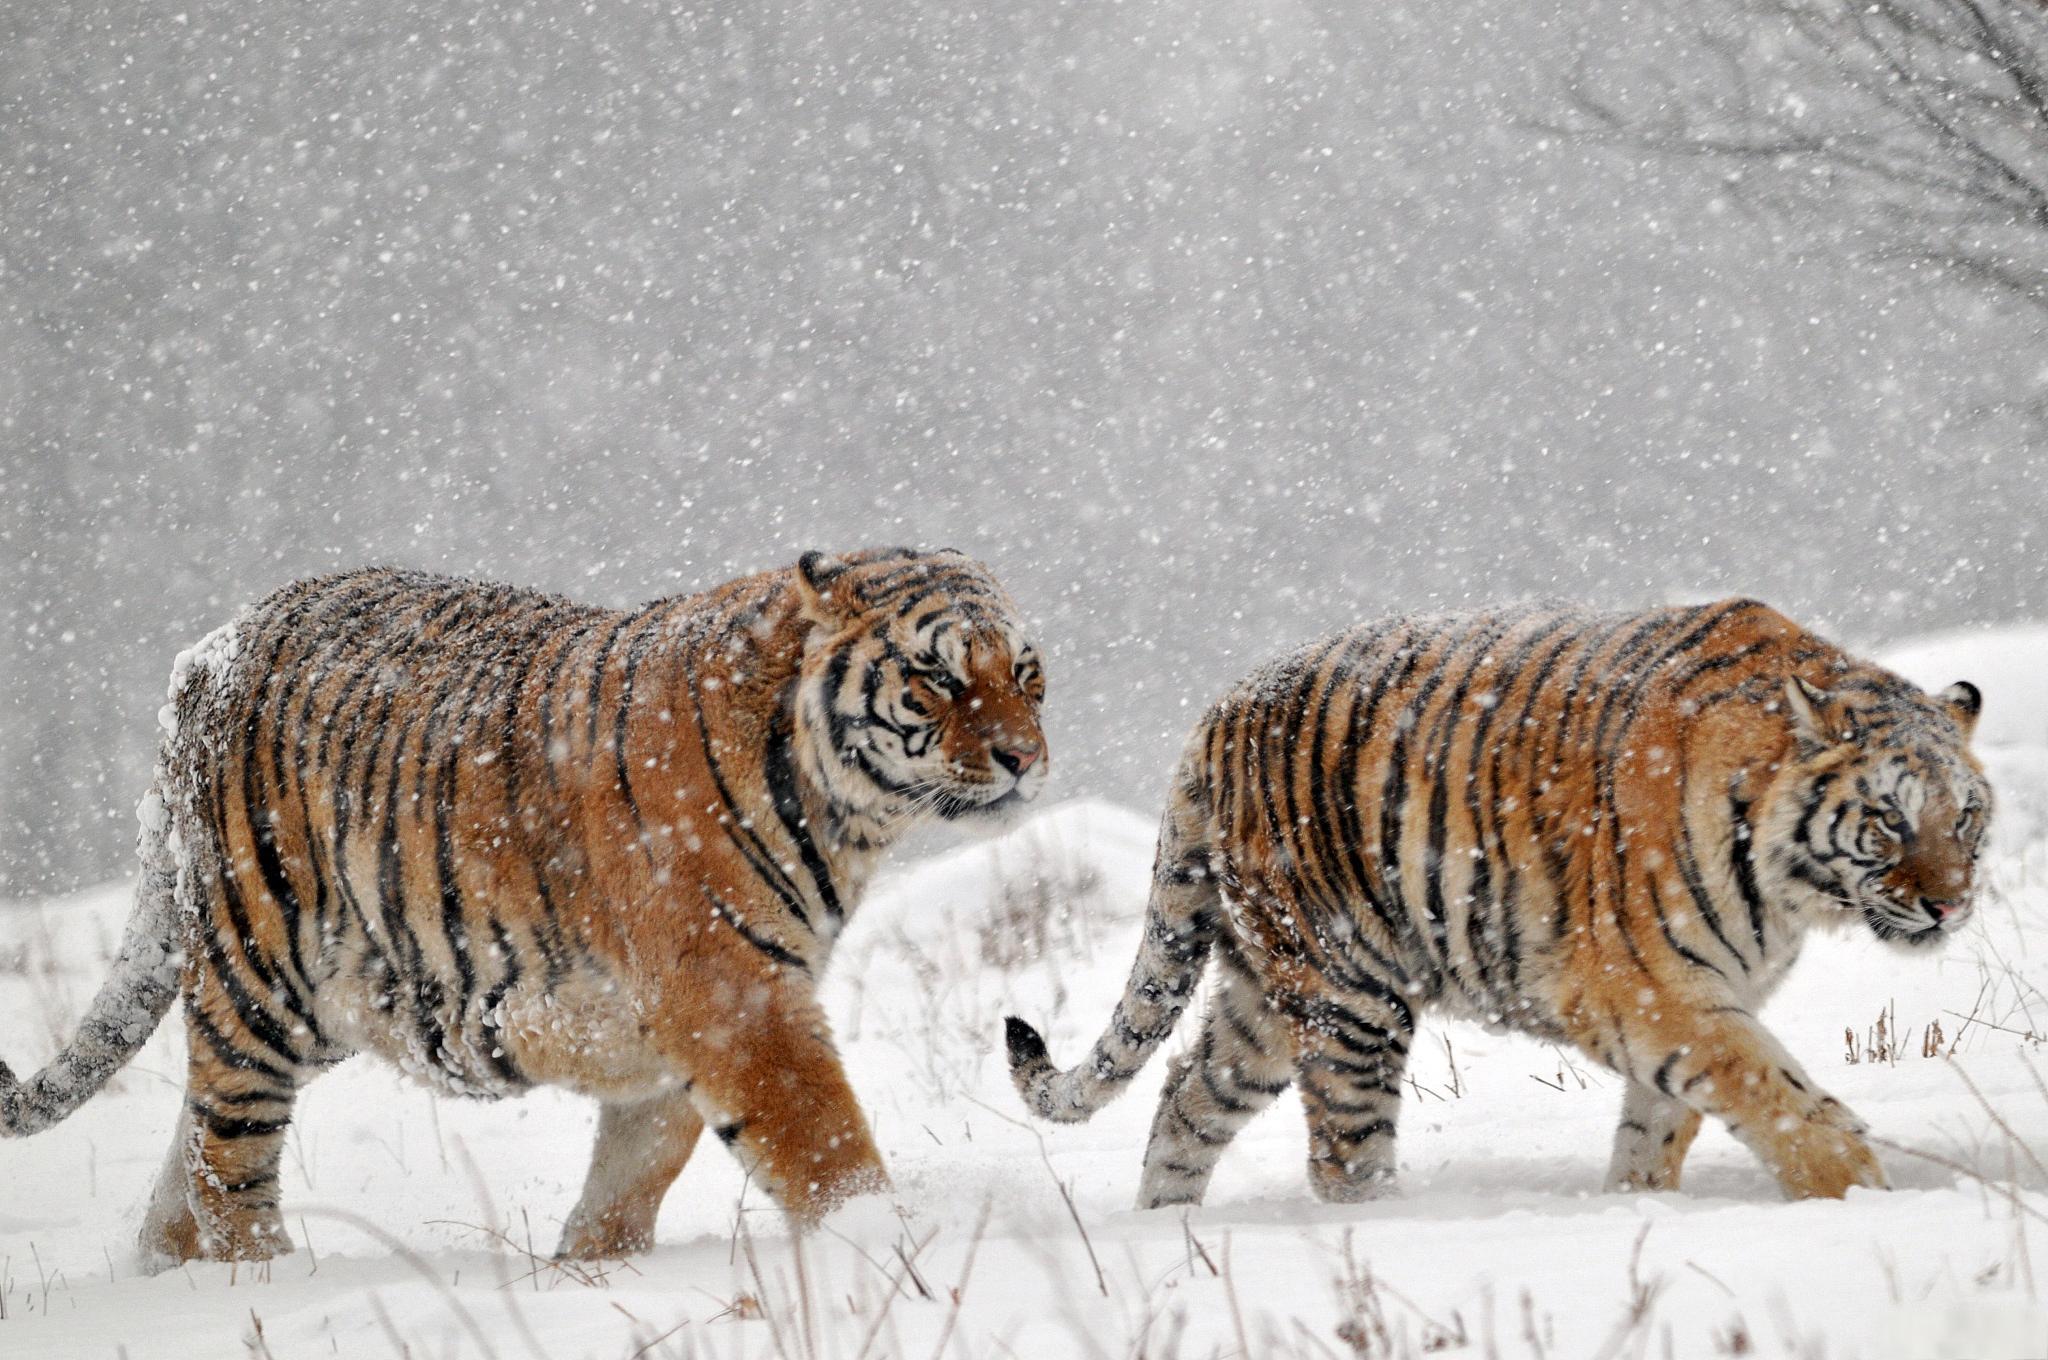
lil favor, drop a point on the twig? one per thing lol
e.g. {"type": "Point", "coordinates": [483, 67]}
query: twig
{"type": "Point", "coordinates": [260, 1345]}
{"type": "Point", "coordinates": [1244, 1346]}
{"type": "Point", "coordinates": [1066, 1197]}
{"type": "Point", "coordinates": [1712, 1278]}
{"type": "Point", "coordinates": [659, 1339]}
{"type": "Point", "coordinates": [888, 1301]}
{"type": "Point", "coordinates": [1999, 1120]}
{"type": "Point", "coordinates": [910, 1271]}
{"type": "Point", "coordinates": [425, 1272]}
{"type": "Point", "coordinates": [959, 1290]}
{"type": "Point", "coordinates": [1195, 1245]}
{"type": "Point", "coordinates": [761, 1291]}
{"type": "Point", "coordinates": [2009, 1190]}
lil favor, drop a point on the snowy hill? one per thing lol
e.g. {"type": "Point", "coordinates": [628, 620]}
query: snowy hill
{"type": "Point", "coordinates": [417, 1216]}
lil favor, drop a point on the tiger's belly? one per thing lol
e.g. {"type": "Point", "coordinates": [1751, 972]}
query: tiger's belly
{"type": "Point", "coordinates": [581, 1031]}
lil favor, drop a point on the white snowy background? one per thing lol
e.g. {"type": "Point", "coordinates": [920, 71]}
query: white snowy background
{"type": "Point", "coordinates": [1211, 325]}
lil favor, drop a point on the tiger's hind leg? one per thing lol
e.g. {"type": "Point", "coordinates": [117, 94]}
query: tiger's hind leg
{"type": "Point", "coordinates": [1244, 1058]}
{"type": "Point", "coordinates": [170, 1232]}
{"type": "Point", "coordinates": [1651, 1141]}
{"type": "Point", "coordinates": [217, 1196]}
{"type": "Point", "coordinates": [641, 1148]}
{"type": "Point", "coordinates": [1354, 1052]}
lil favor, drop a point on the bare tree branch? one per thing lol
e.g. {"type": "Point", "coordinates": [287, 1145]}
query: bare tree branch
{"type": "Point", "coordinates": [1914, 130]}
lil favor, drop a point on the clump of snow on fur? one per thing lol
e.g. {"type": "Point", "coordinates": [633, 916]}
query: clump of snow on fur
{"type": "Point", "coordinates": [151, 812]}
{"type": "Point", "coordinates": [208, 662]}
{"type": "Point", "coordinates": [211, 657]}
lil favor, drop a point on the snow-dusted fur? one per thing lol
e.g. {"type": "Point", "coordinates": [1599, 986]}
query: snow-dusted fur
{"type": "Point", "coordinates": [1180, 927]}
{"type": "Point", "coordinates": [1610, 830]}
{"type": "Point", "coordinates": [506, 840]}
{"type": "Point", "coordinates": [143, 983]}
{"type": "Point", "coordinates": [134, 998]}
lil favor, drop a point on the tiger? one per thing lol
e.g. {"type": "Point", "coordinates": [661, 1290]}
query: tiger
{"type": "Point", "coordinates": [1605, 830]}
{"type": "Point", "coordinates": [505, 840]}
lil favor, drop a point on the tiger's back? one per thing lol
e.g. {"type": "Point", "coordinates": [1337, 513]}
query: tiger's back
{"type": "Point", "coordinates": [1606, 829]}
{"type": "Point", "coordinates": [1464, 779]}
{"type": "Point", "coordinates": [409, 788]}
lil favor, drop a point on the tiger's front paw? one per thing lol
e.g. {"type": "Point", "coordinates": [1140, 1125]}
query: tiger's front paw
{"type": "Point", "coordinates": [1823, 1162]}
{"type": "Point", "coordinates": [607, 1239]}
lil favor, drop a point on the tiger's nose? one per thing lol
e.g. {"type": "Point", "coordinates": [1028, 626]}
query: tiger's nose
{"type": "Point", "coordinates": [1941, 911]}
{"type": "Point", "coordinates": [1017, 759]}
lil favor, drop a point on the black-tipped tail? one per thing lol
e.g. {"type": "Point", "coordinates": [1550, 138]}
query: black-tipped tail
{"type": "Point", "coordinates": [11, 1102]}
{"type": "Point", "coordinates": [1182, 918]}
{"type": "Point", "coordinates": [1026, 1046]}
{"type": "Point", "coordinates": [1168, 966]}
{"type": "Point", "coordinates": [1049, 1092]}
{"type": "Point", "coordinates": [1033, 1074]}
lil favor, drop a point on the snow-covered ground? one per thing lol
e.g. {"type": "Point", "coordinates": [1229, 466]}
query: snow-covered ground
{"type": "Point", "coordinates": [423, 1222]}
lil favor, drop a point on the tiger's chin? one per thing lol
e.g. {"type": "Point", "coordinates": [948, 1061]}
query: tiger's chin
{"type": "Point", "coordinates": [987, 816]}
{"type": "Point", "coordinates": [1905, 939]}
{"type": "Point", "coordinates": [1843, 915]}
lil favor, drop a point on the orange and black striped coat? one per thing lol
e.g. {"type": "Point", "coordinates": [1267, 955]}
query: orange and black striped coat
{"type": "Point", "coordinates": [505, 840]}
{"type": "Point", "coordinates": [1604, 829]}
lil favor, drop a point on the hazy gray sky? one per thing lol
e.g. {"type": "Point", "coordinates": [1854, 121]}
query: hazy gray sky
{"type": "Point", "coordinates": [1210, 325]}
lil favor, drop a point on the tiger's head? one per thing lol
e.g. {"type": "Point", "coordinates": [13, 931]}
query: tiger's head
{"type": "Point", "coordinates": [919, 689]}
{"type": "Point", "coordinates": [1890, 806]}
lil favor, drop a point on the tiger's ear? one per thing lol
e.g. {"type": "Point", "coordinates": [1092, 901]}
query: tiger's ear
{"type": "Point", "coordinates": [1818, 719]}
{"type": "Point", "coordinates": [1963, 701]}
{"type": "Point", "coordinates": [822, 598]}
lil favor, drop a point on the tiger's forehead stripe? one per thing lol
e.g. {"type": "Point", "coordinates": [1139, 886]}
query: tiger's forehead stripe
{"type": "Point", "coordinates": [1909, 790]}
{"type": "Point", "coordinates": [964, 587]}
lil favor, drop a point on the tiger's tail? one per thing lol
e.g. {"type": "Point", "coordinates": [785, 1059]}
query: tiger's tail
{"type": "Point", "coordinates": [1181, 921]}
{"type": "Point", "coordinates": [130, 1003]}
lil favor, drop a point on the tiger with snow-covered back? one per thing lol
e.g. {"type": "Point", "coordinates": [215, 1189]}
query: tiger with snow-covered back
{"type": "Point", "coordinates": [1604, 829]}
{"type": "Point", "coordinates": [505, 839]}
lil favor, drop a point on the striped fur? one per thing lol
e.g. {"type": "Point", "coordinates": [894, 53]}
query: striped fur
{"type": "Point", "coordinates": [1610, 830]}
{"type": "Point", "coordinates": [506, 840]}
